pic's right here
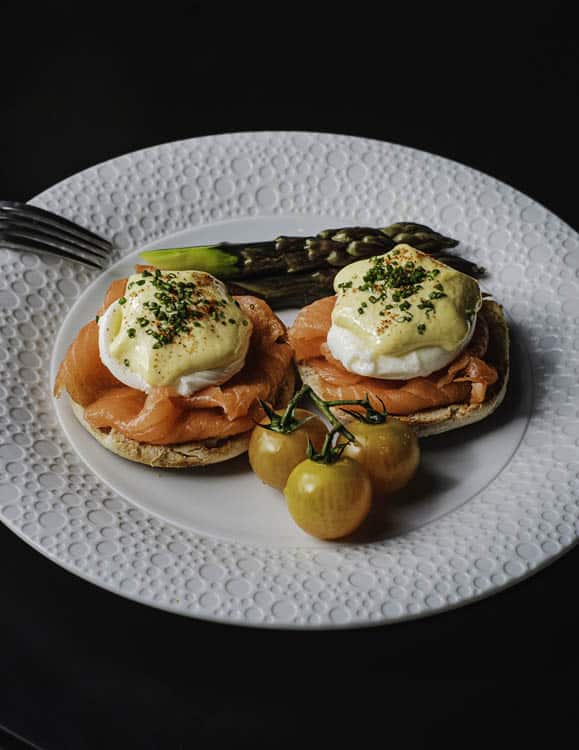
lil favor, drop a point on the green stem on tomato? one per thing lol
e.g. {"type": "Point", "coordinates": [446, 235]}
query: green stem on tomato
{"type": "Point", "coordinates": [372, 415]}
{"type": "Point", "coordinates": [329, 453]}
{"type": "Point", "coordinates": [324, 407]}
{"type": "Point", "coordinates": [327, 443]}
{"type": "Point", "coordinates": [288, 415]}
{"type": "Point", "coordinates": [285, 423]}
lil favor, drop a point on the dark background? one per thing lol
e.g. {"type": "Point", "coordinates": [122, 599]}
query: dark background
{"type": "Point", "coordinates": [491, 85]}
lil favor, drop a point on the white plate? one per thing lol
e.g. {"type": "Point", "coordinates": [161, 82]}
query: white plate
{"type": "Point", "coordinates": [492, 503]}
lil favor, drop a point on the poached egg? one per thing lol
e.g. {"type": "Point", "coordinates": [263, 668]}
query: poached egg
{"type": "Point", "coordinates": [401, 315]}
{"type": "Point", "coordinates": [180, 329]}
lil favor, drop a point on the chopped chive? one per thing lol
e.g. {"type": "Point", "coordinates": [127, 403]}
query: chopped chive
{"type": "Point", "coordinates": [176, 306]}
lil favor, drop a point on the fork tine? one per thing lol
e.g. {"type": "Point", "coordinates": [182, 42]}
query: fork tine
{"type": "Point", "coordinates": [59, 222]}
{"type": "Point", "coordinates": [14, 240]}
{"type": "Point", "coordinates": [50, 243]}
{"type": "Point", "coordinates": [45, 232]}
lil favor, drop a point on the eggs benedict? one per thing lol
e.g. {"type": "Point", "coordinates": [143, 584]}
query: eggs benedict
{"type": "Point", "coordinates": [180, 329]}
{"type": "Point", "coordinates": [172, 369]}
{"type": "Point", "coordinates": [401, 315]}
{"type": "Point", "coordinates": [411, 331]}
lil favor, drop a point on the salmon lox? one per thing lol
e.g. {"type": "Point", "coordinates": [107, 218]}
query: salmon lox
{"type": "Point", "coordinates": [465, 380]}
{"type": "Point", "coordinates": [159, 418]}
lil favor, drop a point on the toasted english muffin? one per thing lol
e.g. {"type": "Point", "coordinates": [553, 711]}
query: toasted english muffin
{"type": "Point", "coordinates": [182, 455]}
{"type": "Point", "coordinates": [446, 418]}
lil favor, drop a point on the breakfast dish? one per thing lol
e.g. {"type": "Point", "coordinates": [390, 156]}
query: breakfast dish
{"type": "Point", "coordinates": [412, 332]}
{"type": "Point", "coordinates": [175, 371]}
{"type": "Point", "coordinates": [490, 505]}
{"type": "Point", "coordinates": [169, 372]}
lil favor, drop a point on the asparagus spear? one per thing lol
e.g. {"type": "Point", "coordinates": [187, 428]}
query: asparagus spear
{"type": "Point", "coordinates": [288, 290]}
{"type": "Point", "coordinates": [294, 271]}
{"type": "Point", "coordinates": [299, 289]}
{"type": "Point", "coordinates": [333, 248]}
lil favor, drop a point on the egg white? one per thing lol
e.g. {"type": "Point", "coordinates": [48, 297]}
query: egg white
{"type": "Point", "coordinates": [185, 385]}
{"type": "Point", "coordinates": [356, 356]}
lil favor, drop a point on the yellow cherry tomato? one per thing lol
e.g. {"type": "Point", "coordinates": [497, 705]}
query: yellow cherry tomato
{"type": "Point", "coordinates": [273, 455]}
{"type": "Point", "coordinates": [389, 452]}
{"type": "Point", "coordinates": [331, 500]}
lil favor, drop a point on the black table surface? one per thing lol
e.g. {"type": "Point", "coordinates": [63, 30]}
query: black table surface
{"type": "Point", "coordinates": [493, 86]}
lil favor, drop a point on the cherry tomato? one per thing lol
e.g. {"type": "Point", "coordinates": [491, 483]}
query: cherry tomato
{"type": "Point", "coordinates": [389, 452]}
{"type": "Point", "coordinates": [329, 500]}
{"type": "Point", "coordinates": [273, 455]}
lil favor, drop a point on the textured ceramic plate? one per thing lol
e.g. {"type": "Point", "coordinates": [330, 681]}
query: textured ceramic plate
{"type": "Point", "coordinates": [492, 503]}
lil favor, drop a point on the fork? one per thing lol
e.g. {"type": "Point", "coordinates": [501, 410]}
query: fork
{"type": "Point", "coordinates": [30, 229]}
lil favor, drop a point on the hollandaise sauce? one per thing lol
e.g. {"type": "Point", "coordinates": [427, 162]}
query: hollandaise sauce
{"type": "Point", "coordinates": [405, 300]}
{"type": "Point", "coordinates": [172, 324]}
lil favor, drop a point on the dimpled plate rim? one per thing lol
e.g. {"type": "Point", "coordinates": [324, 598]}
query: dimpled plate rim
{"type": "Point", "coordinates": [525, 518]}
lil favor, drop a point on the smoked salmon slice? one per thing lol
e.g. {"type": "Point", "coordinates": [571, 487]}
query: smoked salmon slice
{"type": "Point", "coordinates": [418, 394]}
{"type": "Point", "coordinates": [471, 370]}
{"type": "Point", "coordinates": [158, 417]}
{"type": "Point", "coordinates": [466, 379]}
{"type": "Point", "coordinates": [310, 328]}
{"type": "Point", "coordinates": [265, 367]}
{"type": "Point", "coordinates": [140, 416]}
{"type": "Point", "coordinates": [81, 372]}
{"type": "Point", "coordinates": [115, 291]}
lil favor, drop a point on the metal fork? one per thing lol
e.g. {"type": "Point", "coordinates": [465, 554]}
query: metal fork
{"type": "Point", "coordinates": [27, 228]}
